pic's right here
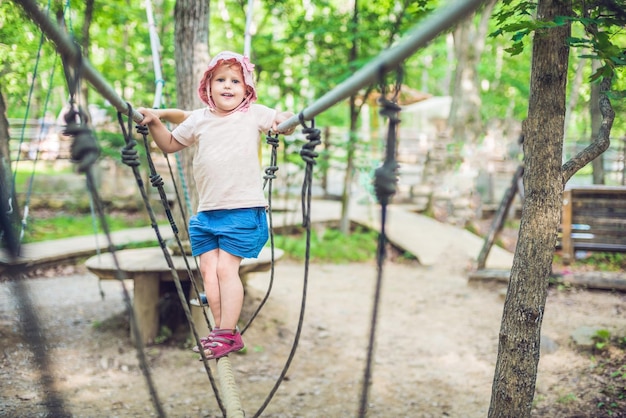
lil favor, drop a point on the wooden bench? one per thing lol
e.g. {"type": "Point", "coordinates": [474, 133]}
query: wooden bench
{"type": "Point", "coordinates": [593, 219]}
{"type": "Point", "coordinates": [147, 267]}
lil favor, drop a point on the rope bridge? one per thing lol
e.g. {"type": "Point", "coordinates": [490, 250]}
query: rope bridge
{"type": "Point", "coordinates": [84, 152]}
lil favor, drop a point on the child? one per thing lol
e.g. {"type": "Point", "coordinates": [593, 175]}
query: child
{"type": "Point", "coordinates": [230, 223]}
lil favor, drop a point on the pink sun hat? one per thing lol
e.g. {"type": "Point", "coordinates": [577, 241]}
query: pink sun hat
{"type": "Point", "coordinates": [248, 78]}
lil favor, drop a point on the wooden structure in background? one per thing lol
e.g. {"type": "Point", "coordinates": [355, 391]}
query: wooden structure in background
{"type": "Point", "coordinates": [594, 219]}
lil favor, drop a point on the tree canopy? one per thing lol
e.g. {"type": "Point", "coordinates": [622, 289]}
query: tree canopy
{"type": "Point", "coordinates": [300, 49]}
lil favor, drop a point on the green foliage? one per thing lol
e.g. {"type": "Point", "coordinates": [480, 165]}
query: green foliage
{"type": "Point", "coordinates": [604, 261]}
{"type": "Point", "coordinates": [165, 333]}
{"type": "Point", "coordinates": [330, 245]}
{"type": "Point", "coordinates": [301, 52]}
{"type": "Point", "coordinates": [72, 225]}
{"type": "Point", "coordinates": [566, 399]}
{"type": "Point", "coordinates": [24, 172]}
{"type": "Point", "coordinates": [602, 23]}
{"type": "Point", "coordinates": [611, 366]}
{"type": "Point", "coordinates": [602, 338]}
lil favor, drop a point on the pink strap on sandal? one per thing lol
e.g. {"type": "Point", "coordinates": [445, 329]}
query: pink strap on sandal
{"type": "Point", "coordinates": [221, 343]}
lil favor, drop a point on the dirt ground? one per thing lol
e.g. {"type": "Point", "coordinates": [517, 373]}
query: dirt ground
{"type": "Point", "coordinates": [436, 348]}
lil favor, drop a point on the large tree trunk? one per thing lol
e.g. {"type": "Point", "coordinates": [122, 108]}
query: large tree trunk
{"type": "Point", "coordinates": [519, 341]}
{"type": "Point", "coordinates": [192, 58]}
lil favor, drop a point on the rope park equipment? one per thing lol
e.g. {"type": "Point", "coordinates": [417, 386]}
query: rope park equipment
{"type": "Point", "coordinates": [84, 152]}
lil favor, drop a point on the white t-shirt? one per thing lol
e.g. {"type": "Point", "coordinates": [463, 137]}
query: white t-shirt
{"type": "Point", "coordinates": [226, 165]}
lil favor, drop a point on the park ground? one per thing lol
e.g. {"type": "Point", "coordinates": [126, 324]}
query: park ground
{"type": "Point", "coordinates": [437, 337]}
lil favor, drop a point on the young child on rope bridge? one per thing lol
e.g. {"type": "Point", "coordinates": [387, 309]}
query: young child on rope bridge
{"type": "Point", "coordinates": [230, 223]}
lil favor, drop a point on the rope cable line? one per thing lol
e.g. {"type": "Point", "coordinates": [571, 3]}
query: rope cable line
{"type": "Point", "coordinates": [385, 179]}
{"type": "Point", "coordinates": [308, 154]}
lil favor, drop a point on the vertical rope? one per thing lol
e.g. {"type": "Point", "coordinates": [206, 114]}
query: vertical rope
{"type": "Point", "coordinates": [270, 175]}
{"type": "Point", "coordinates": [385, 186]}
{"type": "Point", "coordinates": [308, 154]}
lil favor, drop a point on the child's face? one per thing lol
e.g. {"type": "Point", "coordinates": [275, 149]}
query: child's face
{"type": "Point", "coordinates": [227, 88]}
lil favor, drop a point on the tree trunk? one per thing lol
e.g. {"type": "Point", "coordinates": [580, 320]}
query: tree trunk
{"type": "Point", "coordinates": [86, 41]}
{"type": "Point", "coordinates": [519, 340]}
{"type": "Point", "coordinates": [344, 222]}
{"type": "Point", "coordinates": [9, 212]}
{"type": "Point", "coordinates": [469, 42]}
{"type": "Point", "coordinates": [4, 132]}
{"type": "Point", "coordinates": [192, 58]}
{"type": "Point", "coordinates": [596, 122]}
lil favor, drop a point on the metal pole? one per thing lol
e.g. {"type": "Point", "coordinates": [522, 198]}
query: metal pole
{"type": "Point", "coordinates": [389, 59]}
{"type": "Point", "coordinates": [70, 50]}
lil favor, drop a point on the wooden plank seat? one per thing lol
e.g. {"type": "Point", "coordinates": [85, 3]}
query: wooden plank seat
{"type": "Point", "coordinates": [593, 219]}
{"type": "Point", "coordinates": [147, 267]}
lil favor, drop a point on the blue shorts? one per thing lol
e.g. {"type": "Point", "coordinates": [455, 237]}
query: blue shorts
{"type": "Point", "coordinates": [240, 232]}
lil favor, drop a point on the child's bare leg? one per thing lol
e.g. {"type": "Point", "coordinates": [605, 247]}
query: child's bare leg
{"type": "Point", "coordinates": [230, 289]}
{"type": "Point", "coordinates": [208, 268]}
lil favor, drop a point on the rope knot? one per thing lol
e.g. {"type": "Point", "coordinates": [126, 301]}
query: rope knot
{"type": "Point", "coordinates": [390, 110]}
{"type": "Point", "coordinates": [272, 140]}
{"type": "Point", "coordinates": [270, 172]}
{"type": "Point", "coordinates": [142, 129]}
{"type": "Point", "coordinates": [313, 137]}
{"type": "Point", "coordinates": [385, 178]}
{"type": "Point", "coordinates": [156, 180]}
{"type": "Point", "coordinates": [130, 156]}
{"type": "Point", "coordinates": [84, 150]}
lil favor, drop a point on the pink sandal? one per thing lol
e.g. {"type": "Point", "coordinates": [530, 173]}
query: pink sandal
{"type": "Point", "coordinates": [221, 343]}
{"type": "Point", "coordinates": [204, 341]}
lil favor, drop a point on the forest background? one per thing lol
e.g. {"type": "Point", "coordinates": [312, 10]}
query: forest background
{"type": "Point", "coordinates": [320, 45]}
{"type": "Point", "coordinates": [298, 59]}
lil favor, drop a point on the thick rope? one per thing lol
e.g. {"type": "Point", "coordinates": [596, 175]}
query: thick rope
{"type": "Point", "coordinates": [157, 182]}
{"type": "Point", "coordinates": [308, 154]}
{"type": "Point", "coordinates": [385, 186]}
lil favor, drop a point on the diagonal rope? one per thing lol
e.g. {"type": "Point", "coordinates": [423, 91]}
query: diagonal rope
{"type": "Point", "coordinates": [84, 151]}
{"type": "Point", "coordinates": [131, 159]}
{"type": "Point", "coordinates": [157, 182]}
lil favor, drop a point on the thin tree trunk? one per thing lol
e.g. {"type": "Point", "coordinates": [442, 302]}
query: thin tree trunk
{"type": "Point", "coordinates": [344, 222]}
{"type": "Point", "coordinates": [519, 340]}
{"type": "Point", "coordinates": [575, 92]}
{"type": "Point", "coordinates": [4, 132]}
{"type": "Point", "coordinates": [596, 122]}
{"type": "Point", "coordinates": [192, 58]}
{"type": "Point", "coordinates": [469, 42]}
{"type": "Point", "coordinates": [86, 41]}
